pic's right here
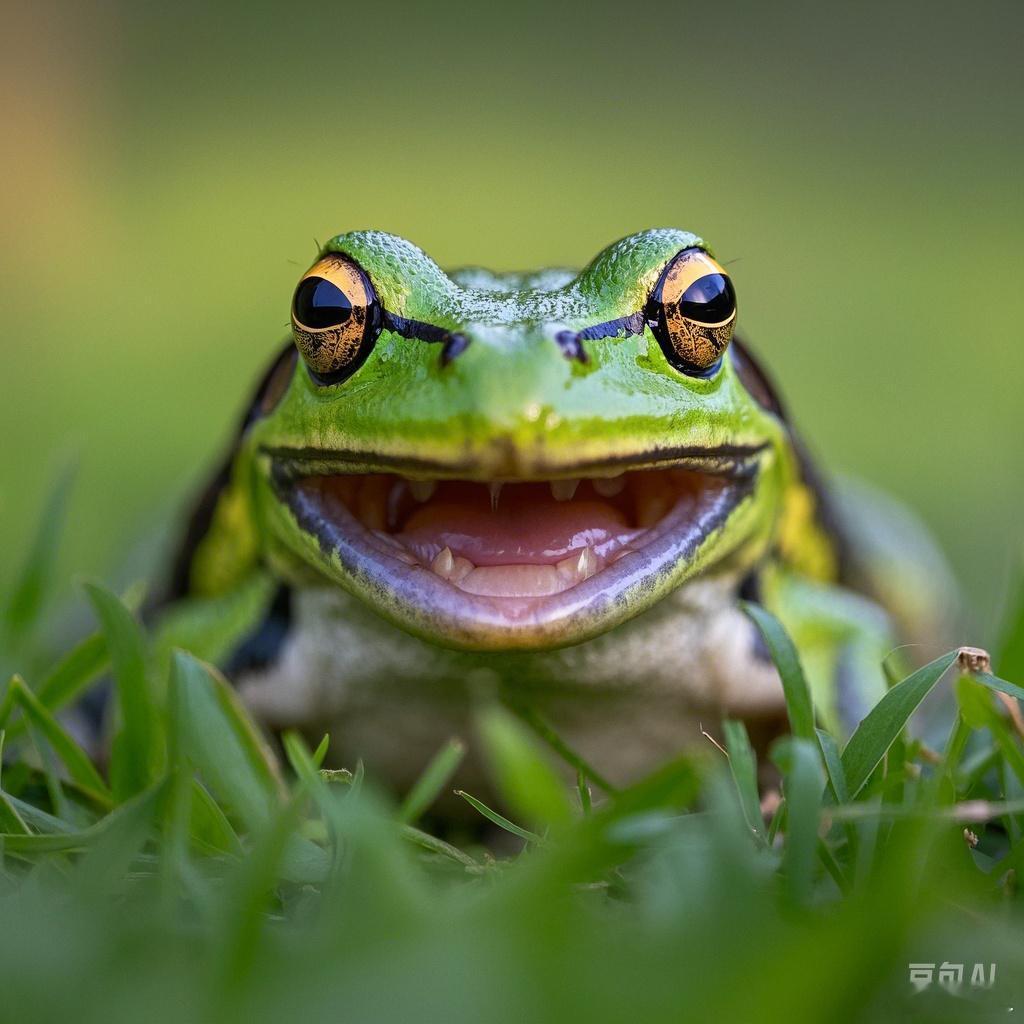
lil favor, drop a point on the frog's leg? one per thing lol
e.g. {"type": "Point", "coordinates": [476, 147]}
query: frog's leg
{"type": "Point", "coordinates": [219, 590]}
{"type": "Point", "coordinates": [894, 558]}
{"type": "Point", "coordinates": [842, 637]}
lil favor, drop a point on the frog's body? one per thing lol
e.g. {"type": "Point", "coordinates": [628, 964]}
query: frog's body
{"type": "Point", "coordinates": [553, 487]}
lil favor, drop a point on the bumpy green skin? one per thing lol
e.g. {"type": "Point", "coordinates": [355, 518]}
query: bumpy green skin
{"type": "Point", "coordinates": [512, 406]}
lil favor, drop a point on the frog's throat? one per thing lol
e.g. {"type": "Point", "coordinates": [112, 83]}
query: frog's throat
{"type": "Point", "coordinates": [512, 564]}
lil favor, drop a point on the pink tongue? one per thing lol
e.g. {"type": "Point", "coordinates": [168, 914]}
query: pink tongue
{"type": "Point", "coordinates": [517, 533]}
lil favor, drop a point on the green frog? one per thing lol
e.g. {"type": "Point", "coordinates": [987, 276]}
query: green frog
{"type": "Point", "coordinates": [552, 487]}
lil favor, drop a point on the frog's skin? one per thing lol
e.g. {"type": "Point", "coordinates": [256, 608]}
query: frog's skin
{"type": "Point", "coordinates": [333, 620]}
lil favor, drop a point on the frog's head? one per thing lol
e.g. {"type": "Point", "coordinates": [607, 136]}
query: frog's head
{"type": "Point", "coordinates": [520, 460]}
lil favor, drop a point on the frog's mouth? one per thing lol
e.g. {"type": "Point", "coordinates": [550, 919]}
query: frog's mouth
{"type": "Point", "coordinates": [515, 564]}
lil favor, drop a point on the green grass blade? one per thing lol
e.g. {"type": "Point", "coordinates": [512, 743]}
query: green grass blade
{"type": "Point", "coordinates": [971, 697]}
{"type": "Point", "coordinates": [304, 764]}
{"type": "Point", "coordinates": [82, 665]}
{"type": "Point", "coordinates": [136, 752]}
{"type": "Point", "coordinates": [10, 820]}
{"type": "Point", "coordinates": [7, 705]}
{"type": "Point", "coordinates": [180, 820]}
{"type": "Point", "coordinates": [30, 592]}
{"type": "Point", "coordinates": [831, 865]}
{"type": "Point", "coordinates": [74, 759]}
{"type": "Point", "coordinates": [218, 738]}
{"type": "Point", "coordinates": [886, 720]}
{"type": "Point", "coordinates": [800, 761]}
{"type": "Point", "coordinates": [833, 765]}
{"type": "Point", "coordinates": [209, 824]}
{"type": "Point", "coordinates": [320, 754]}
{"type": "Point", "coordinates": [536, 721]}
{"type": "Point", "coordinates": [995, 683]}
{"type": "Point", "coordinates": [672, 787]}
{"type": "Point", "coordinates": [521, 772]}
{"type": "Point", "coordinates": [118, 840]}
{"type": "Point", "coordinates": [1010, 658]}
{"type": "Point", "coordinates": [432, 781]}
{"type": "Point", "coordinates": [301, 855]}
{"type": "Point", "coordinates": [34, 845]}
{"type": "Point", "coordinates": [743, 765]}
{"type": "Point", "coordinates": [77, 669]}
{"type": "Point", "coordinates": [837, 794]}
{"type": "Point", "coordinates": [425, 841]}
{"type": "Point", "coordinates": [250, 891]}
{"type": "Point", "coordinates": [356, 780]}
{"type": "Point", "coordinates": [583, 789]}
{"type": "Point", "coordinates": [974, 693]}
{"type": "Point", "coordinates": [794, 684]}
{"type": "Point", "coordinates": [39, 820]}
{"type": "Point", "coordinates": [893, 667]}
{"type": "Point", "coordinates": [499, 819]}
{"type": "Point", "coordinates": [48, 768]}
{"type": "Point", "coordinates": [62, 841]}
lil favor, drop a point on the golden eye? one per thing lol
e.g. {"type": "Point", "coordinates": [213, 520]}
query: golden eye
{"type": "Point", "coordinates": [692, 312]}
{"type": "Point", "coordinates": [335, 318]}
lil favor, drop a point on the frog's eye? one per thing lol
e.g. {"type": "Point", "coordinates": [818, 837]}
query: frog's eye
{"type": "Point", "coordinates": [335, 318]}
{"type": "Point", "coordinates": [692, 312]}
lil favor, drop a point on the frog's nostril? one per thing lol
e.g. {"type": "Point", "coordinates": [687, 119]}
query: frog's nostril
{"type": "Point", "coordinates": [454, 346]}
{"type": "Point", "coordinates": [571, 345]}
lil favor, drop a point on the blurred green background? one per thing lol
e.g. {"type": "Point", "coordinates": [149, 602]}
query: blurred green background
{"type": "Point", "coordinates": [168, 167]}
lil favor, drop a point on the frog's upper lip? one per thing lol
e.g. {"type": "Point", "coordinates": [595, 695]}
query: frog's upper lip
{"type": "Point", "coordinates": [738, 459]}
{"type": "Point", "coordinates": [407, 576]}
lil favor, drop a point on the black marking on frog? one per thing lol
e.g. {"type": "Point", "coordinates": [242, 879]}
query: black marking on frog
{"type": "Point", "coordinates": [453, 347]}
{"type": "Point", "coordinates": [452, 344]}
{"type": "Point", "coordinates": [262, 647]}
{"type": "Point", "coordinates": [735, 460]}
{"type": "Point", "coordinates": [753, 377]}
{"type": "Point", "coordinates": [624, 325]}
{"type": "Point", "coordinates": [759, 385]}
{"type": "Point", "coordinates": [268, 392]}
{"type": "Point", "coordinates": [571, 346]}
{"type": "Point", "coordinates": [750, 590]}
{"type": "Point", "coordinates": [571, 342]}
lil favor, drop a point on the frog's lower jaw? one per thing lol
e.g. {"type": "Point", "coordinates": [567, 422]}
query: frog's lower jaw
{"type": "Point", "coordinates": [515, 565]}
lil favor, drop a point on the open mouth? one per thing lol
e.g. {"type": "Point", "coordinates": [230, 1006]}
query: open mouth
{"type": "Point", "coordinates": [494, 563]}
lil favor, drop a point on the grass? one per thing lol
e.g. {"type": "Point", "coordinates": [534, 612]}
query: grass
{"type": "Point", "coordinates": [198, 877]}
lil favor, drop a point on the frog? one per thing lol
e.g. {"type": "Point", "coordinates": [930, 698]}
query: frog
{"type": "Point", "coordinates": [556, 489]}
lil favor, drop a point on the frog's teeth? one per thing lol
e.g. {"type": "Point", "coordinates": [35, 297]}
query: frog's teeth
{"type": "Point", "coordinates": [443, 562]}
{"type": "Point", "coordinates": [609, 486]}
{"type": "Point", "coordinates": [495, 488]}
{"type": "Point", "coordinates": [522, 580]}
{"type": "Point", "coordinates": [422, 490]}
{"type": "Point", "coordinates": [462, 568]}
{"type": "Point", "coordinates": [513, 581]}
{"type": "Point", "coordinates": [586, 566]}
{"type": "Point", "coordinates": [578, 567]}
{"type": "Point", "coordinates": [391, 533]}
{"type": "Point", "coordinates": [563, 490]}
{"type": "Point", "coordinates": [451, 567]}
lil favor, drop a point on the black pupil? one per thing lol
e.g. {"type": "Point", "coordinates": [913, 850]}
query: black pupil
{"type": "Point", "coordinates": [709, 300]}
{"type": "Point", "coordinates": [318, 304]}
